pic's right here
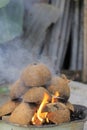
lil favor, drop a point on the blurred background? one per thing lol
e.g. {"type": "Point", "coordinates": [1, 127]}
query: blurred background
{"type": "Point", "coordinates": [48, 31]}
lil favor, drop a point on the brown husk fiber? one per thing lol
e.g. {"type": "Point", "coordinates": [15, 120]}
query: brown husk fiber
{"type": "Point", "coordinates": [69, 106]}
{"type": "Point", "coordinates": [22, 114]}
{"type": "Point", "coordinates": [59, 116]}
{"type": "Point", "coordinates": [35, 95]}
{"type": "Point", "coordinates": [34, 82]}
{"type": "Point", "coordinates": [36, 75]}
{"type": "Point", "coordinates": [60, 85]}
{"type": "Point", "coordinates": [8, 107]}
{"type": "Point", "coordinates": [17, 89]}
{"type": "Point", "coordinates": [58, 113]}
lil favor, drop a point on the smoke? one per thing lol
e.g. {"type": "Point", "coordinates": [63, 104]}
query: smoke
{"type": "Point", "coordinates": [17, 54]}
{"type": "Point", "coordinates": [14, 58]}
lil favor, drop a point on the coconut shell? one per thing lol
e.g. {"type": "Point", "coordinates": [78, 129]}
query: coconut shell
{"type": "Point", "coordinates": [69, 106]}
{"type": "Point", "coordinates": [36, 75]}
{"type": "Point", "coordinates": [35, 95]}
{"type": "Point", "coordinates": [51, 107]}
{"type": "Point", "coordinates": [58, 113]}
{"type": "Point", "coordinates": [22, 115]}
{"type": "Point", "coordinates": [17, 90]}
{"type": "Point", "coordinates": [8, 107]}
{"type": "Point", "coordinates": [61, 85]}
{"type": "Point", "coordinates": [59, 116]}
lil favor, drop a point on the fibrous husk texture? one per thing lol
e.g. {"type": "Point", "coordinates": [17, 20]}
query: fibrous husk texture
{"type": "Point", "coordinates": [35, 81]}
{"type": "Point", "coordinates": [22, 114]}
{"type": "Point", "coordinates": [35, 95]}
{"type": "Point", "coordinates": [17, 89]}
{"type": "Point", "coordinates": [36, 75]}
{"type": "Point", "coordinates": [60, 85]}
{"type": "Point", "coordinates": [8, 107]}
{"type": "Point", "coordinates": [57, 113]}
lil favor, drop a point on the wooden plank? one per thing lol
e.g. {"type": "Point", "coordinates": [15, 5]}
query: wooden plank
{"type": "Point", "coordinates": [67, 35]}
{"type": "Point", "coordinates": [80, 42]}
{"type": "Point", "coordinates": [53, 38]}
{"type": "Point", "coordinates": [60, 53]}
{"type": "Point", "coordinates": [56, 32]}
{"type": "Point", "coordinates": [75, 30]}
{"type": "Point", "coordinates": [85, 43]}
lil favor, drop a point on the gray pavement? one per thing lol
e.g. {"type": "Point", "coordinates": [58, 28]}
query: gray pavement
{"type": "Point", "coordinates": [78, 95]}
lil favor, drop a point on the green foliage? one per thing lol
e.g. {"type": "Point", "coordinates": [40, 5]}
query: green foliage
{"type": "Point", "coordinates": [4, 89]}
{"type": "Point", "coordinates": [3, 3]}
{"type": "Point", "coordinates": [11, 20]}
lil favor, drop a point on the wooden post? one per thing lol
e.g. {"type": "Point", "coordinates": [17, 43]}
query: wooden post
{"type": "Point", "coordinates": [80, 42]}
{"type": "Point", "coordinates": [85, 43]}
{"type": "Point", "coordinates": [65, 30]}
{"type": "Point", "coordinates": [75, 35]}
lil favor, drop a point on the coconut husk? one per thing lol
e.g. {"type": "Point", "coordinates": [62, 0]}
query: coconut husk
{"type": "Point", "coordinates": [35, 95]}
{"type": "Point", "coordinates": [22, 115]}
{"type": "Point", "coordinates": [8, 107]}
{"type": "Point", "coordinates": [58, 113]}
{"type": "Point", "coordinates": [59, 116]}
{"type": "Point", "coordinates": [17, 90]}
{"type": "Point", "coordinates": [51, 107]}
{"type": "Point", "coordinates": [36, 75]}
{"type": "Point", "coordinates": [70, 106]}
{"type": "Point", "coordinates": [59, 84]}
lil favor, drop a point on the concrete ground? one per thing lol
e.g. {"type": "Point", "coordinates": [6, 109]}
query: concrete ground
{"type": "Point", "coordinates": [78, 95]}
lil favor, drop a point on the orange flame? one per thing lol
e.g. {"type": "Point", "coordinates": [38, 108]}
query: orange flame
{"type": "Point", "coordinates": [41, 116]}
{"type": "Point", "coordinates": [54, 97]}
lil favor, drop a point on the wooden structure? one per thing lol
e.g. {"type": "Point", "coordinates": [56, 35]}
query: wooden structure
{"type": "Point", "coordinates": [85, 43]}
{"type": "Point", "coordinates": [61, 38]}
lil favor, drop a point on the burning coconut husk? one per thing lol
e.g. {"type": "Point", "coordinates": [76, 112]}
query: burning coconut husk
{"type": "Point", "coordinates": [41, 103]}
{"type": "Point", "coordinates": [51, 112]}
{"type": "Point", "coordinates": [60, 84]}
{"type": "Point", "coordinates": [58, 113]}
{"type": "Point", "coordinates": [35, 95]}
{"type": "Point", "coordinates": [36, 75]}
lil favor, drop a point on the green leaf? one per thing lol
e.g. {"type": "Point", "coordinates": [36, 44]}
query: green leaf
{"type": "Point", "coordinates": [11, 20]}
{"type": "Point", "coordinates": [3, 3]}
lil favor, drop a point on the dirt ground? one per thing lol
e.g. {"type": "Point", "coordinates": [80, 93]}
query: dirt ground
{"type": "Point", "coordinates": [78, 95]}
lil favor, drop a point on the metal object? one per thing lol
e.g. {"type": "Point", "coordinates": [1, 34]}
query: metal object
{"type": "Point", "coordinates": [76, 125]}
{"type": "Point", "coordinates": [73, 125]}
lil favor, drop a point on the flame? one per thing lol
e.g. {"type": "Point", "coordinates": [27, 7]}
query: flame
{"type": "Point", "coordinates": [40, 116]}
{"type": "Point", "coordinates": [54, 97]}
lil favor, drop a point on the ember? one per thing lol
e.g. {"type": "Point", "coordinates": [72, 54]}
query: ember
{"type": "Point", "coordinates": [44, 99]}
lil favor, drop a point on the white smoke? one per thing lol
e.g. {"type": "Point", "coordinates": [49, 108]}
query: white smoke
{"type": "Point", "coordinates": [13, 58]}
{"type": "Point", "coordinates": [17, 54]}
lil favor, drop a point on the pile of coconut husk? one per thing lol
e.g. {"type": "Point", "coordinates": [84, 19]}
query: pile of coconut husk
{"type": "Point", "coordinates": [28, 92]}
